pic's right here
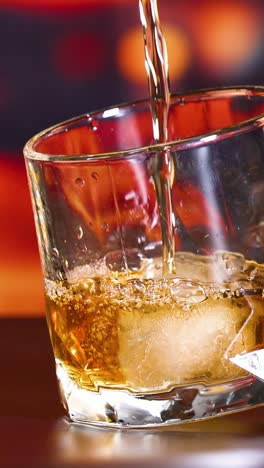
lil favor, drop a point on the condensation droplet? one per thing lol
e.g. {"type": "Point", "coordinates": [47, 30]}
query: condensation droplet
{"type": "Point", "coordinates": [79, 181]}
{"type": "Point", "coordinates": [55, 253]}
{"type": "Point", "coordinates": [187, 292]}
{"type": "Point", "coordinates": [79, 233]}
{"type": "Point", "coordinates": [95, 175]}
{"type": "Point", "coordinates": [180, 101]}
{"type": "Point", "coordinates": [105, 227]}
{"type": "Point", "coordinates": [93, 124]}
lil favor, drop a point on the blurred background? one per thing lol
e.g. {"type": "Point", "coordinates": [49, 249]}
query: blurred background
{"type": "Point", "coordinates": [61, 58]}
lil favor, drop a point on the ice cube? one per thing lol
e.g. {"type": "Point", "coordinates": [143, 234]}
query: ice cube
{"type": "Point", "coordinates": [163, 345]}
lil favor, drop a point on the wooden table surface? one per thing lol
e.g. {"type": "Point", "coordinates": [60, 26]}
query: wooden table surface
{"type": "Point", "coordinates": [35, 432]}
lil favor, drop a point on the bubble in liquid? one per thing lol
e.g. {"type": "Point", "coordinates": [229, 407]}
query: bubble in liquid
{"type": "Point", "coordinates": [137, 286]}
{"type": "Point", "coordinates": [79, 233]}
{"type": "Point", "coordinates": [240, 292]}
{"type": "Point", "coordinates": [55, 253]}
{"type": "Point", "coordinates": [187, 292]}
{"type": "Point", "coordinates": [95, 175]}
{"type": "Point", "coordinates": [79, 181]}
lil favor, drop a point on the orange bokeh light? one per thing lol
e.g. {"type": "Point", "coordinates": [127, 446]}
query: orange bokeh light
{"type": "Point", "coordinates": [227, 34]}
{"type": "Point", "coordinates": [130, 54]}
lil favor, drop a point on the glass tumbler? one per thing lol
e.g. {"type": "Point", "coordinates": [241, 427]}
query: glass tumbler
{"type": "Point", "coordinates": [138, 343]}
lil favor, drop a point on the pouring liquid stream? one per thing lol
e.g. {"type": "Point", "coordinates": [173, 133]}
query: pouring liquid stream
{"type": "Point", "coordinates": [156, 63]}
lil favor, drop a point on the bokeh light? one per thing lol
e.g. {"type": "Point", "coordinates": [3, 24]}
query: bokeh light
{"type": "Point", "coordinates": [130, 53]}
{"type": "Point", "coordinates": [227, 36]}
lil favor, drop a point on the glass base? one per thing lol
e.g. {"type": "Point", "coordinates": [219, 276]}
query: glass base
{"type": "Point", "coordinates": [115, 408]}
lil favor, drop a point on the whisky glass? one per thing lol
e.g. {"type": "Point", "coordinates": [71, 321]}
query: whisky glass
{"type": "Point", "coordinates": [136, 344]}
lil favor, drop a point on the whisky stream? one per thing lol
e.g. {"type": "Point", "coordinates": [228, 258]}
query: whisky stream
{"type": "Point", "coordinates": [156, 63]}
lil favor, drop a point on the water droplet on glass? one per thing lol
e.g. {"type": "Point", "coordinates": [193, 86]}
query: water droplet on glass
{"type": "Point", "coordinates": [79, 232]}
{"type": "Point", "coordinates": [115, 261]}
{"type": "Point", "coordinates": [187, 292]}
{"type": "Point", "coordinates": [55, 253]}
{"type": "Point", "coordinates": [105, 227]}
{"type": "Point", "coordinates": [95, 175]}
{"type": "Point", "coordinates": [93, 124]}
{"type": "Point", "coordinates": [80, 182]}
{"type": "Point", "coordinates": [181, 101]}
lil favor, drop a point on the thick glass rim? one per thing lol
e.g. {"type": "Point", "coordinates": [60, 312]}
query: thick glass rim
{"type": "Point", "coordinates": [181, 144]}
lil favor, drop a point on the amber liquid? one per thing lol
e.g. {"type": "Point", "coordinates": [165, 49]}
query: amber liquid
{"type": "Point", "coordinates": [151, 335]}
